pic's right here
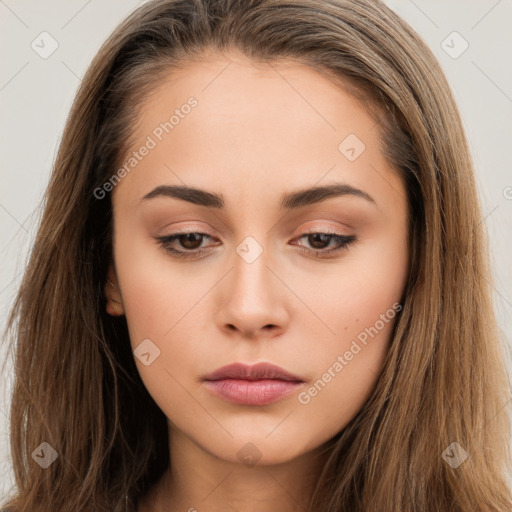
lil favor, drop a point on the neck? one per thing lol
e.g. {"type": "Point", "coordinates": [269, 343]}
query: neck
{"type": "Point", "coordinates": [199, 481]}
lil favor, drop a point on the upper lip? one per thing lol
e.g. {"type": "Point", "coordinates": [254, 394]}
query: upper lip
{"type": "Point", "coordinates": [252, 372]}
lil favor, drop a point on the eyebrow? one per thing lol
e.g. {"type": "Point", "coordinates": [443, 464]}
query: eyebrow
{"type": "Point", "coordinates": [291, 200]}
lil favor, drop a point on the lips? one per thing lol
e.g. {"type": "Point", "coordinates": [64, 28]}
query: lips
{"type": "Point", "coordinates": [258, 371]}
{"type": "Point", "coordinates": [260, 384]}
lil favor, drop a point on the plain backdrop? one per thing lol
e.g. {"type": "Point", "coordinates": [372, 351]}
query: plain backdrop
{"type": "Point", "coordinates": [472, 41]}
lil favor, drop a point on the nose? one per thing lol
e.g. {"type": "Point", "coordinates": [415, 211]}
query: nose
{"type": "Point", "coordinates": [252, 300]}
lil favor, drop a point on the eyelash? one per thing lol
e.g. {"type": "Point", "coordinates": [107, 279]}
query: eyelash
{"type": "Point", "coordinates": [343, 242]}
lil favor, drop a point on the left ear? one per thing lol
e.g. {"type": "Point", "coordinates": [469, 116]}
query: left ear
{"type": "Point", "coordinates": [114, 302]}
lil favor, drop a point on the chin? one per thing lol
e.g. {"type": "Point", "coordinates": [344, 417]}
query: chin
{"type": "Point", "coordinates": [258, 450]}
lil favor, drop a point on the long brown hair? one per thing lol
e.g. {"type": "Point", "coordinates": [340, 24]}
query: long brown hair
{"type": "Point", "coordinates": [76, 384]}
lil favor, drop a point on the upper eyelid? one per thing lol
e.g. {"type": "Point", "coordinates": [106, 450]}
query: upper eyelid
{"type": "Point", "coordinates": [314, 230]}
{"type": "Point", "coordinates": [300, 235]}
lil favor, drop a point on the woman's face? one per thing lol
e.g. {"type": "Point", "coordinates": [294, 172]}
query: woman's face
{"type": "Point", "coordinates": [260, 281]}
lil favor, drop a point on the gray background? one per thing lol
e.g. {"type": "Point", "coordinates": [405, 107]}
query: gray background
{"type": "Point", "coordinates": [36, 95]}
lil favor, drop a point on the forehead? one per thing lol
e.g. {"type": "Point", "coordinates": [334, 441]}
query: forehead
{"type": "Point", "coordinates": [254, 128]}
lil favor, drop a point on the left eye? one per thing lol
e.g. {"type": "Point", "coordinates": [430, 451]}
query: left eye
{"type": "Point", "coordinates": [190, 243]}
{"type": "Point", "coordinates": [319, 242]}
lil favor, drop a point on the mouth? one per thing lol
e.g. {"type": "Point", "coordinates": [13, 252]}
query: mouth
{"type": "Point", "coordinates": [259, 384]}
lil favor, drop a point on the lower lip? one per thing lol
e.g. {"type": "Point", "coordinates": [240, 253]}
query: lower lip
{"type": "Point", "coordinates": [252, 392]}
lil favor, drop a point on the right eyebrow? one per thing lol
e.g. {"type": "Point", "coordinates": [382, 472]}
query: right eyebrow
{"type": "Point", "coordinates": [192, 195]}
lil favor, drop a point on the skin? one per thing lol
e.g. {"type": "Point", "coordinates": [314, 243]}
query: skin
{"type": "Point", "coordinates": [258, 131]}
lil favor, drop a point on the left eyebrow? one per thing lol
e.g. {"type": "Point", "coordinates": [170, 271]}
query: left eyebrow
{"type": "Point", "coordinates": [314, 195]}
{"type": "Point", "coordinates": [292, 200]}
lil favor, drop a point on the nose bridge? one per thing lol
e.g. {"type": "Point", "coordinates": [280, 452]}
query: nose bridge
{"type": "Point", "coordinates": [250, 267]}
{"type": "Point", "coordinates": [251, 276]}
{"type": "Point", "coordinates": [252, 297]}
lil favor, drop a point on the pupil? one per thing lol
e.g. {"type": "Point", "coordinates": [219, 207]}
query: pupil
{"type": "Point", "coordinates": [318, 237]}
{"type": "Point", "coordinates": [189, 240]}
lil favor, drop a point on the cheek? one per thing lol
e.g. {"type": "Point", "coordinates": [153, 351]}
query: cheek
{"type": "Point", "coordinates": [359, 304]}
{"type": "Point", "coordinates": [164, 303]}
{"type": "Point", "coordinates": [162, 308]}
{"type": "Point", "coordinates": [351, 296]}
{"type": "Point", "coordinates": [155, 295]}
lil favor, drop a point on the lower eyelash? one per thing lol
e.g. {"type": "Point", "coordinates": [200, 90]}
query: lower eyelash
{"type": "Point", "coordinates": [343, 242]}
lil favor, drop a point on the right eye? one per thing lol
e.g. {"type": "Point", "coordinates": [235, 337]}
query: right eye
{"type": "Point", "coordinates": [190, 243]}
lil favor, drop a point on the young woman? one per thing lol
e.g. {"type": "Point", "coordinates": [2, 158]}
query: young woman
{"type": "Point", "coordinates": [260, 282]}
